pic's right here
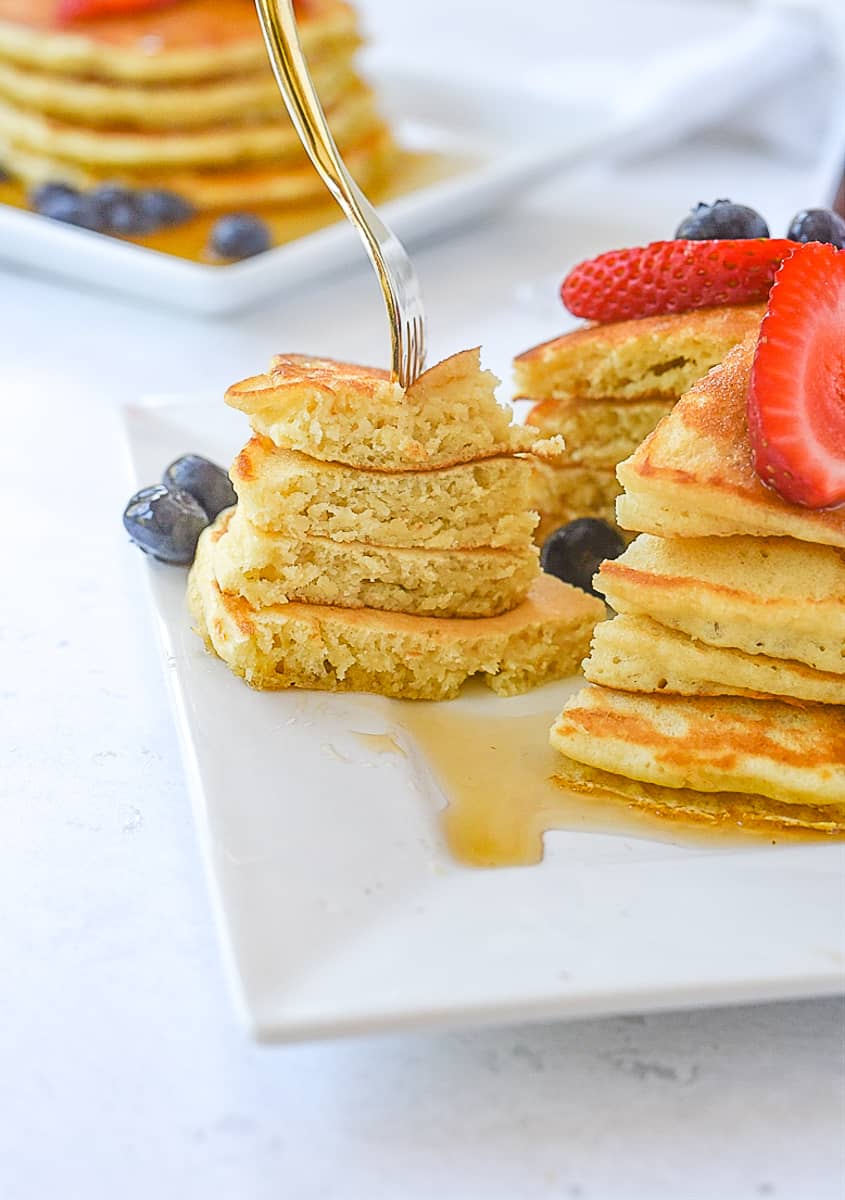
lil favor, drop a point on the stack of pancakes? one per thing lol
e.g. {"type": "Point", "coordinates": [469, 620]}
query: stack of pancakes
{"type": "Point", "coordinates": [605, 387]}
{"type": "Point", "coordinates": [717, 692]}
{"type": "Point", "coordinates": [180, 98]}
{"type": "Point", "coordinates": [382, 539]}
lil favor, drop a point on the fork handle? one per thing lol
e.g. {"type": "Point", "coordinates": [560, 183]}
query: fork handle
{"type": "Point", "coordinates": [278, 25]}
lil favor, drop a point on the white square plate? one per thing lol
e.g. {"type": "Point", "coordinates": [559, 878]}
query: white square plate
{"type": "Point", "coordinates": [500, 139]}
{"type": "Point", "coordinates": [341, 910]}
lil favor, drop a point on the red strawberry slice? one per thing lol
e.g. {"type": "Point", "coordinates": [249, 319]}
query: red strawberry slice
{"type": "Point", "coordinates": [667, 277]}
{"type": "Point", "coordinates": [80, 10]}
{"type": "Point", "coordinates": [796, 402]}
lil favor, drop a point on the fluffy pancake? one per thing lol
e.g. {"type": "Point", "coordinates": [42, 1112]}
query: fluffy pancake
{"type": "Point", "coordinates": [411, 657]}
{"type": "Point", "coordinates": [776, 597]}
{"type": "Point", "coordinates": [95, 102]}
{"type": "Point", "coordinates": [370, 162]}
{"type": "Point", "coordinates": [598, 433]}
{"type": "Point", "coordinates": [715, 809]}
{"type": "Point", "coordinates": [650, 359]}
{"type": "Point", "coordinates": [352, 118]}
{"type": "Point", "coordinates": [564, 491]}
{"type": "Point", "coordinates": [603, 388]}
{"type": "Point", "coordinates": [793, 754]}
{"type": "Point", "coordinates": [193, 40]}
{"type": "Point", "coordinates": [355, 415]}
{"type": "Point", "coordinates": [486, 503]}
{"type": "Point", "coordinates": [636, 654]}
{"type": "Point", "coordinates": [268, 569]}
{"type": "Point", "coordinates": [694, 475]}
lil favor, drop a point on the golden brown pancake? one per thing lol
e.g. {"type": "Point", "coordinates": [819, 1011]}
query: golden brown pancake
{"type": "Point", "coordinates": [267, 569]}
{"type": "Point", "coordinates": [352, 119]}
{"type": "Point", "coordinates": [410, 657]}
{"type": "Point", "coordinates": [357, 416]}
{"type": "Point", "coordinates": [637, 654]}
{"type": "Point", "coordinates": [649, 359]}
{"type": "Point", "coordinates": [598, 433]}
{"type": "Point", "coordinates": [486, 503]}
{"type": "Point", "coordinates": [194, 39]}
{"type": "Point", "coordinates": [299, 188]}
{"type": "Point", "coordinates": [776, 597]}
{"type": "Point", "coordinates": [244, 97]}
{"type": "Point", "coordinates": [694, 475]}
{"type": "Point", "coordinates": [603, 388]}
{"type": "Point", "coordinates": [790, 753]}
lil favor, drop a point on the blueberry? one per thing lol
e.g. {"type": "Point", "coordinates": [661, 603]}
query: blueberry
{"type": "Point", "coordinates": [574, 552]}
{"type": "Point", "coordinates": [164, 209]}
{"type": "Point", "coordinates": [119, 211]}
{"type": "Point", "coordinates": [165, 523]}
{"type": "Point", "coordinates": [818, 225]}
{"type": "Point", "coordinates": [45, 192]}
{"type": "Point", "coordinates": [239, 235]}
{"type": "Point", "coordinates": [206, 482]}
{"type": "Point", "coordinates": [722, 219]}
{"type": "Point", "coordinates": [63, 203]}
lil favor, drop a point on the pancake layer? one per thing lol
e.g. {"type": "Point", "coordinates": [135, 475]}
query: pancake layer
{"type": "Point", "coordinates": [653, 358]}
{"type": "Point", "coordinates": [694, 475]}
{"type": "Point", "coordinates": [636, 654]}
{"type": "Point", "coordinates": [598, 433]}
{"type": "Point", "coordinates": [93, 103]}
{"type": "Point", "coordinates": [484, 503]}
{"type": "Point", "coordinates": [347, 414]}
{"type": "Point", "coordinates": [565, 490]}
{"type": "Point", "coordinates": [604, 388]}
{"type": "Point", "coordinates": [410, 657]}
{"type": "Point", "coordinates": [794, 754]}
{"type": "Point", "coordinates": [776, 597]}
{"type": "Point", "coordinates": [198, 39]}
{"type": "Point", "coordinates": [714, 809]}
{"type": "Point", "coordinates": [268, 569]}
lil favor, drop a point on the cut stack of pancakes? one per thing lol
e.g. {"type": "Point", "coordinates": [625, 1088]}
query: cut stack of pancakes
{"type": "Point", "coordinates": [180, 98]}
{"type": "Point", "coordinates": [382, 539]}
{"type": "Point", "coordinates": [604, 388]}
{"type": "Point", "coordinates": [717, 691]}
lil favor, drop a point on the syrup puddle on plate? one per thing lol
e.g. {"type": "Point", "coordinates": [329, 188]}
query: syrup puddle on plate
{"type": "Point", "coordinates": [492, 760]}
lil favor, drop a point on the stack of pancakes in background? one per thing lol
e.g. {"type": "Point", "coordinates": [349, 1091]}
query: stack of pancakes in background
{"type": "Point", "coordinates": [179, 98]}
{"type": "Point", "coordinates": [718, 691]}
{"type": "Point", "coordinates": [382, 539]}
{"type": "Point", "coordinates": [605, 387]}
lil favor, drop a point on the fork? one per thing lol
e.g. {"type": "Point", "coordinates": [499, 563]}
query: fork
{"type": "Point", "coordinates": [396, 275]}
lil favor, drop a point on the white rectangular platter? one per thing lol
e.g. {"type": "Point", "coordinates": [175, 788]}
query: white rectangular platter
{"type": "Point", "coordinates": [500, 138]}
{"type": "Point", "coordinates": [341, 910]}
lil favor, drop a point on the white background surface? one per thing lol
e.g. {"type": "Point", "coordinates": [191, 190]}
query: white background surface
{"type": "Point", "coordinates": [122, 1071]}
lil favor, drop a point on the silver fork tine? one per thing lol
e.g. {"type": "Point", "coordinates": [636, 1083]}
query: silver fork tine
{"type": "Point", "coordinates": [397, 277]}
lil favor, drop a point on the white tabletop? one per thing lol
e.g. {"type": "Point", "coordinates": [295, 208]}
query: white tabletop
{"type": "Point", "coordinates": [122, 1070]}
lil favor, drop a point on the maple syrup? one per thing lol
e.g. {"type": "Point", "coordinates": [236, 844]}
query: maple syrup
{"type": "Point", "coordinates": [496, 774]}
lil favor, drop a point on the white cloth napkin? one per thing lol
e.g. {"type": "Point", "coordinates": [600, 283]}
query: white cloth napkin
{"type": "Point", "coordinates": [770, 71]}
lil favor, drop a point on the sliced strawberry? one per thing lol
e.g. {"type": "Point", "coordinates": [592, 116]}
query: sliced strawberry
{"type": "Point", "coordinates": [81, 10]}
{"type": "Point", "coordinates": [796, 401]}
{"type": "Point", "coordinates": [666, 277]}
